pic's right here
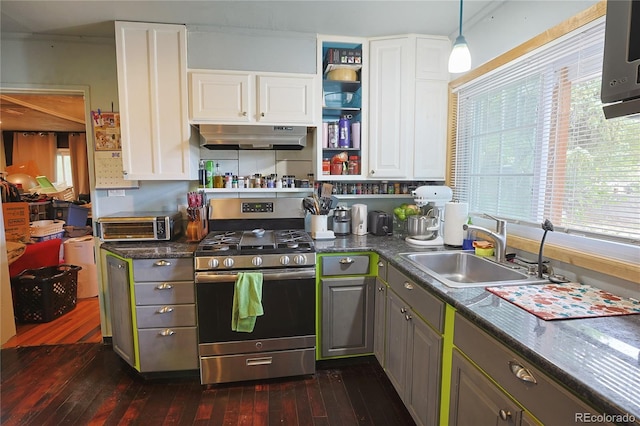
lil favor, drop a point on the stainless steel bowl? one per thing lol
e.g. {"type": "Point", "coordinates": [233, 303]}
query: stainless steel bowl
{"type": "Point", "coordinates": [422, 227]}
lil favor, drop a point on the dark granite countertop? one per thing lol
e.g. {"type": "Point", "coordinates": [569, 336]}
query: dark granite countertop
{"type": "Point", "coordinates": [598, 358]}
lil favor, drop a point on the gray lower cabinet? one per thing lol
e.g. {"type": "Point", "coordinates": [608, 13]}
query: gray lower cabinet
{"type": "Point", "coordinates": [165, 314]}
{"type": "Point", "coordinates": [120, 308]}
{"type": "Point", "coordinates": [413, 354]}
{"type": "Point", "coordinates": [527, 396]}
{"type": "Point", "coordinates": [380, 321]}
{"type": "Point", "coordinates": [347, 316]}
{"type": "Point", "coordinates": [347, 293]}
{"type": "Point", "coordinates": [475, 400]}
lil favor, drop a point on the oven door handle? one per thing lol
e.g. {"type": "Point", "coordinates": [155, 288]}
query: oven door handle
{"type": "Point", "coordinates": [216, 277]}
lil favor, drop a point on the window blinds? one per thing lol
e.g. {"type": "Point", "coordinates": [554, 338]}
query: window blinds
{"type": "Point", "coordinates": [532, 143]}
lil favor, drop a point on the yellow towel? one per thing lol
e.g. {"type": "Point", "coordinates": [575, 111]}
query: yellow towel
{"type": "Point", "coordinates": [247, 301]}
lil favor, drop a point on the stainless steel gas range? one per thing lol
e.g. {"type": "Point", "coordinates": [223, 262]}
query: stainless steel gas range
{"type": "Point", "coordinates": [264, 237]}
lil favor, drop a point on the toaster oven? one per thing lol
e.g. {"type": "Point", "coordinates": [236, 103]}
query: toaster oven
{"type": "Point", "coordinates": [142, 226]}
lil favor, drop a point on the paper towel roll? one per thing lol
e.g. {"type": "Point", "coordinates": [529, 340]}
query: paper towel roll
{"type": "Point", "coordinates": [455, 215]}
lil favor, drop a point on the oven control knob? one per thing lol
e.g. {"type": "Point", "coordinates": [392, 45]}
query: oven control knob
{"type": "Point", "coordinates": [284, 260]}
{"type": "Point", "coordinates": [256, 261]}
{"type": "Point", "coordinates": [228, 262]}
{"type": "Point", "coordinates": [214, 263]}
{"type": "Point", "coordinates": [300, 259]}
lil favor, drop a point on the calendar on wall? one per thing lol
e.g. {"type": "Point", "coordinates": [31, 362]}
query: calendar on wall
{"type": "Point", "coordinates": [108, 167]}
{"type": "Point", "coordinates": [108, 151]}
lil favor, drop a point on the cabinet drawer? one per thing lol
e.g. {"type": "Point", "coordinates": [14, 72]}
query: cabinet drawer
{"type": "Point", "coordinates": [171, 269]}
{"type": "Point", "coordinates": [168, 349]}
{"type": "Point", "coordinates": [423, 303]}
{"type": "Point", "coordinates": [545, 399]}
{"type": "Point", "coordinates": [165, 293]}
{"type": "Point", "coordinates": [166, 316]}
{"type": "Point", "coordinates": [345, 265]}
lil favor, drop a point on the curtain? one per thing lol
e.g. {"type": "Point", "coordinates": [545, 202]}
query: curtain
{"type": "Point", "coordinates": [40, 147]}
{"type": "Point", "coordinates": [79, 162]}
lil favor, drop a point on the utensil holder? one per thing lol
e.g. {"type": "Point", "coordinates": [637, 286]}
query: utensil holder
{"type": "Point", "coordinates": [319, 223]}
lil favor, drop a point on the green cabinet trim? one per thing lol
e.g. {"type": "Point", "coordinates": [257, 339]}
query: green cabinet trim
{"type": "Point", "coordinates": [447, 358]}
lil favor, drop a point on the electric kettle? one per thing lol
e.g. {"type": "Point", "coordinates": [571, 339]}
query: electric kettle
{"type": "Point", "coordinates": [359, 219]}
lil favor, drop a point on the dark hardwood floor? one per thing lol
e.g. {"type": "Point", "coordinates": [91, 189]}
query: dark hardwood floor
{"type": "Point", "coordinates": [87, 383]}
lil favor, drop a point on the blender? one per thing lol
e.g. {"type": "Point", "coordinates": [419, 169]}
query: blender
{"type": "Point", "coordinates": [425, 229]}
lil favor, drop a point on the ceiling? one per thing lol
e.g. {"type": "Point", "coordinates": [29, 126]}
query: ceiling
{"type": "Point", "coordinates": [347, 17]}
{"type": "Point", "coordinates": [29, 112]}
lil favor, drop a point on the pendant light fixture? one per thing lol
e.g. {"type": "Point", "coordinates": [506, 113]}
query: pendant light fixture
{"type": "Point", "coordinates": [460, 58]}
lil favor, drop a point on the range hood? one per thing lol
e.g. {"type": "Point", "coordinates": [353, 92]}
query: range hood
{"type": "Point", "coordinates": [214, 136]}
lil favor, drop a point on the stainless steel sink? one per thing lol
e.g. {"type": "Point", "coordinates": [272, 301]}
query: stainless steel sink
{"type": "Point", "coordinates": [465, 269]}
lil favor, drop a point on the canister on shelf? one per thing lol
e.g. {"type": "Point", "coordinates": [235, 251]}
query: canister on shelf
{"type": "Point", "coordinates": [208, 170]}
{"type": "Point", "coordinates": [326, 166]}
{"type": "Point", "coordinates": [333, 134]}
{"type": "Point", "coordinates": [344, 135]}
{"type": "Point", "coordinates": [354, 165]}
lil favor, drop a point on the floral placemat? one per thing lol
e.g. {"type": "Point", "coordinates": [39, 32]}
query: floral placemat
{"type": "Point", "coordinates": [568, 300]}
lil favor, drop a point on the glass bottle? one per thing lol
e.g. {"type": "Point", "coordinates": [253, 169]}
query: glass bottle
{"type": "Point", "coordinates": [218, 179]}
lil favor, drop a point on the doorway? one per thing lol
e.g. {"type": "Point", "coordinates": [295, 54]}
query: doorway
{"type": "Point", "coordinates": [44, 109]}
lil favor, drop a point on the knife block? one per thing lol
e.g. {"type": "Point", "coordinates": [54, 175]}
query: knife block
{"type": "Point", "coordinates": [198, 225]}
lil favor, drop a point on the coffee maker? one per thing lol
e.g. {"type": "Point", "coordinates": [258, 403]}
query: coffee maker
{"type": "Point", "coordinates": [341, 221]}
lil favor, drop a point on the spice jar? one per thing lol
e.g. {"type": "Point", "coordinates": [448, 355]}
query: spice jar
{"type": "Point", "coordinates": [326, 166]}
{"type": "Point", "coordinates": [354, 165]}
{"type": "Point", "coordinates": [336, 168]}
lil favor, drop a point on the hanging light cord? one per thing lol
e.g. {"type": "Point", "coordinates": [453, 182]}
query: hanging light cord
{"type": "Point", "coordinates": [460, 17]}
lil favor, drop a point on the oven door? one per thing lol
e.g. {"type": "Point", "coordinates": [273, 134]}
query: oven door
{"type": "Point", "coordinates": [288, 301]}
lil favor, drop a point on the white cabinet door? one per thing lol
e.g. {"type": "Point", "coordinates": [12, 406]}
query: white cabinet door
{"type": "Point", "coordinates": [285, 100]}
{"type": "Point", "coordinates": [238, 97]}
{"type": "Point", "coordinates": [389, 118]}
{"type": "Point", "coordinates": [221, 97]}
{"type": "Point", "coordinates": [408, 107]}
{"type": "Point", "coordinates": [432, 56]}
{"type": "Point", "coordinates": [152, 88]}
{"type": "Point", "coordinates": [430, 130]}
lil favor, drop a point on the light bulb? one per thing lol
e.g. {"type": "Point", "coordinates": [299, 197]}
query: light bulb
{"type": "Point", "coordinates": [460, 58]}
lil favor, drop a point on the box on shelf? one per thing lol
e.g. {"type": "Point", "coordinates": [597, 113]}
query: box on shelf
{"type": "Point", "coordinates": [39, 210]}
{"type": "Point", "coordinates": [16, 221]}
{"type": "Point", "coordinates": [336, 58]}
{"type": "Point", "coordinates": [70, 213]}
{"type": "Point", "coordinates": [44, 294]}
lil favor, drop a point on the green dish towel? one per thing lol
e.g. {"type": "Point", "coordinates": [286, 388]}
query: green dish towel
{"type": "Point", "coordinates": [247, 301]}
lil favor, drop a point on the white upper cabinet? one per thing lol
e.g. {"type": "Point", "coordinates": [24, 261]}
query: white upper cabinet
{"type": "Point", "coordinates": [237, 97]}
{"type": "Point", "coordinates": [408, 107]}
{"type": "Point", "coordinates": [152, 88]}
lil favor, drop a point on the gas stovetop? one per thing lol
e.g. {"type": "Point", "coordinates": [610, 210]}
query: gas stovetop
{"type": "Point", "coordinates": [225, 250]}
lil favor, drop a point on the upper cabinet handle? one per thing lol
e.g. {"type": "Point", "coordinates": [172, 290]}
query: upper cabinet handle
{"type": "Point", "coordinates": [521, 372]}
{"type": "Point", "coordinates": [162, 263]}
{"type": "Point", "coordinates": [244, 113]}
{"type": "Point", "coordinates": [262, 114]}
{"type": "Point", "coordinates": [346, 261]}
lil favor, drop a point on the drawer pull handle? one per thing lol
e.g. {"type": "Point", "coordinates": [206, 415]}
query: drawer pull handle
{"type": "Point", "coordinates": [403, 310]}
{"type": "Point", "coordinates": [408, 285]}
{"type": "Point", "coordinates": [259, 361]}
{"type": "Point", "coordinates": [346, 261]}
{"type": "Point", "coordinates": [164, 310]}
{"type": "Point", "coordinates": [164, 286]}
{"type": "Point", "coordinates": [407, 317]}
{"type": "Point", "coordinates": [162, 263]}
{"type": "Point", "coordinates": [504, 415]}
{"type": "Point", "coordinates": [380, 289]}
{"type": "Point", "coordinates": [167, 332]}
{"type": "Point", "coordinates": [521, 372]}
{"type": "Point", "coordinates": [380, 264]}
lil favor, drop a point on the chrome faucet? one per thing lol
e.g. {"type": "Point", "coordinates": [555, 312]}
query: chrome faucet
{"type": "Point", "coordinates": [499, 237]}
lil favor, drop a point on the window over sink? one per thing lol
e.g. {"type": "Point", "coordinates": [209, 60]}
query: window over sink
{"type": "Point", "coordinates": [533, 143]}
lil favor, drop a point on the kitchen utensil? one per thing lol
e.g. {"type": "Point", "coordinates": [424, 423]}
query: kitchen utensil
{"type": "Point", "coordinates": [359, 219]}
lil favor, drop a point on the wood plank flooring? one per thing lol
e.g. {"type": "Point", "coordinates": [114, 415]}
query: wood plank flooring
{"type": "Point", "coordinates": [81, 325]}
{"type": "Point", "coordinates": [60, 373]}
{"type": "Point", "coordinates": [88, 384]}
